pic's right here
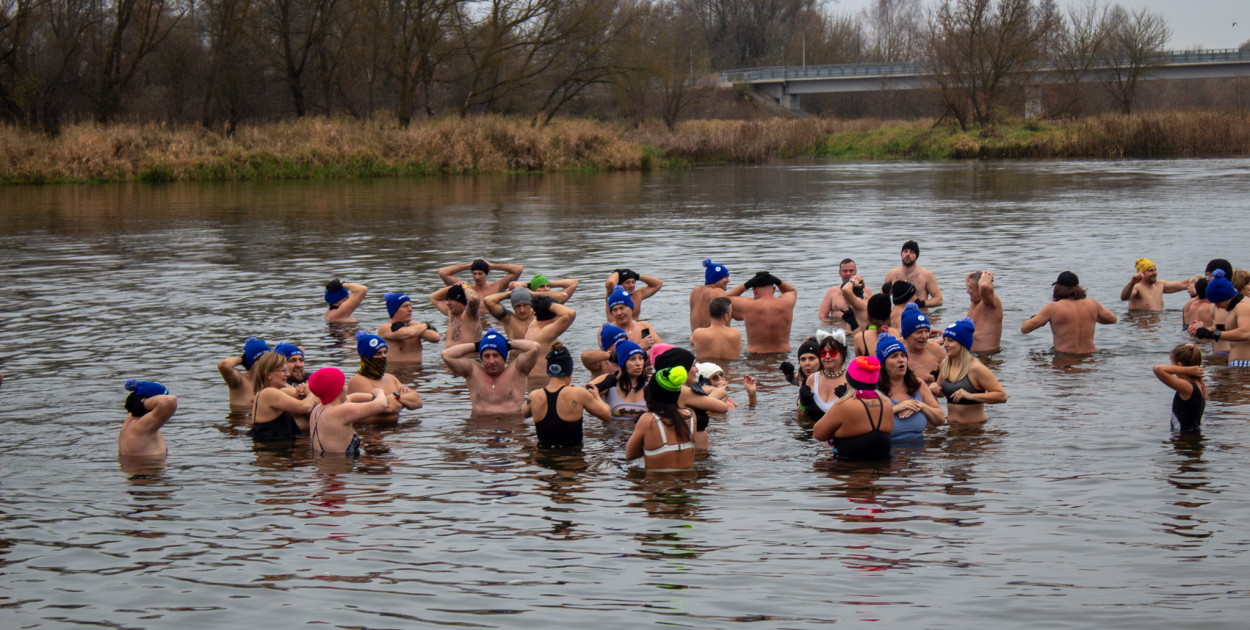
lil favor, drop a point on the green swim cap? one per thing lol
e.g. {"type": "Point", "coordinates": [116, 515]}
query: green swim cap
{"type": "Point", "coordinates": [537, 281]}
{"type": "Point", "coordinates": [671, 378]}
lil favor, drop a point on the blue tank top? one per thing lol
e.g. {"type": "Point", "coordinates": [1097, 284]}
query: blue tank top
{"type": "Point", "coordinates": [912, 426]}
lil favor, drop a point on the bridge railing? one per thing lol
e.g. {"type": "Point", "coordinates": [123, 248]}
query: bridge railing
{"type": "Point", "coordinates": [896, 69]}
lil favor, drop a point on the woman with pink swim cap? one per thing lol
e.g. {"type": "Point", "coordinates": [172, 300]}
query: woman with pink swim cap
{"type": "Point", "coordinates": [859, 424]}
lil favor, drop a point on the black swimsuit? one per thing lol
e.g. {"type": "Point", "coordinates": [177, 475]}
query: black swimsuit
{"type": "Point", "coordinates": [949, 389]}
{"type": "Point", "coordinates": [281, 428]}
{"type": "Point", "coordinates": [553, 431]}
{"type": "Point", "coordinates": [875, 444]}
{"type": "Point", "coordinates": [1187, 413]}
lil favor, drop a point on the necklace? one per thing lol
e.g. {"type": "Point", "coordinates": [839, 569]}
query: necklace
{"type": "Point", "coordinates": [827, 374]}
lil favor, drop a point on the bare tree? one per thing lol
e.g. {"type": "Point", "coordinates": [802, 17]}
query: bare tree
{"type": "Point", "coordinates": [223, 25]}
{"type": "Point", "coordinates": [130, 30]}
{"type": "Point", "coordinates": [293, 30]}
{"type": "Point", "coordinates": [895, 29]}
{"type": "Point", "coordinates": [1133, 48]}
{"type": "Point", "coordinates": [413, 36]}
{"type": "Point", "coordinates": [1079, 46]}
{"type": "Point", "coordinates": [984, 53]}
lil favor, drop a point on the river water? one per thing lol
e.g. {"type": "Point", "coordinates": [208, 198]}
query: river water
{"type": "Point", "coordinates": [1073, 506]}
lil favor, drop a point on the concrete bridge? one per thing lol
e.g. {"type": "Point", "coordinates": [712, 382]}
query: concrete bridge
{"type": "Point", "coordinates": [786, 84]}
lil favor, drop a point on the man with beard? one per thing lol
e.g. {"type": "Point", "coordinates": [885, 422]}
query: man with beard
{"type": "Point", "coordinates": [294, 363]}
{"type": "Point", "coordinates": [928, 295]}
{"type": "Point", "coordinates": [1144, 291]}
{"type": "Point", "coordinates": [402, 335]}
{"type": "Point", "coordinates": [496, 387]}
{"type": "Point", "coordinates": [1071, 316]}
{"type": "Point", "coordinates": [372, 374]}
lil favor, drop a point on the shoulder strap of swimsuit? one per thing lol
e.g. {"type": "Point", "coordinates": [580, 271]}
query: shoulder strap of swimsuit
{"type": "Point", "coordinates": [880, 414]}
{"type": "Point", "coordinates": [316, 423]}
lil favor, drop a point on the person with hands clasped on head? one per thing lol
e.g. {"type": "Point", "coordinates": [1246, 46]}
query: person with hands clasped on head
{"type": "Point", "coordinates": [965, 382]}
{"type": "Point", "coordinates": [479, 269]}
{"type": "Point", "coordinates": [1184, 375]}
{"type": "Point", "coordinates": [372, 375]}
{"type": "Point", "coordinates": [1236, 326]}
{"type": "Point", "coordinates": [403, 336]}
{"type": "Point", "coordinates": [149, 406]}
{"type": "Point", "coordinates": [628, 279]}
{"type": "Point", "coordinates": [240, 384]}
{"type": "Point", "coordinates": [496, 387]}
{"type": "Point", "coordinates": [460, 304]}
{"type": "Point", "coordinates": [343, 298]}
{"type": "Point", "coordinates": [766, 316]}
{"type": "Point", "coordinates": [330, 424]}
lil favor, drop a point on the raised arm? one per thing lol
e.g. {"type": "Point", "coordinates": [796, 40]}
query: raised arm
{"type": "Point", "coordinates": [494, 304]}
{"type": "Point", "coordinates": [160, 410]}
{"type": "Point", "coordinates": [439, 299]}
{"type": "Point", "coordinates": [356, 295]}
{"type": "Point", "coordinates": [458, 358]}
{"type": "Point", "coordinates": [985, 286]}
{"type": "Point", "coordinates": [1127, 291]}
{"type": "Point", "coordinates": [1170, 375]}
{"type": "Point", "coordinates": [566, 289]}
{"type": "Point", "coordinates": [511, 271]}
{"type": "Point", "coordinates": [1174, 286]}
{"type": "Point", "coordinates": [448, 274]}
{"type": "Point", "coordinates": [652, 285]}
{"type": "Point", "coordinates": [527, 356]}
{"type": "Point", "coordinates": [592, 401]}
{"type": "Point", "coordinates": [231, 376]}
{"type": "Point", "coordinates": [614, 279]}
{"type": "Point", "coordinates": [564, 319]}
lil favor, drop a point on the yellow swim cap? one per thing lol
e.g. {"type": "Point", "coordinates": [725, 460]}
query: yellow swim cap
{"type": "Point", "coordinates": [1143, 264]}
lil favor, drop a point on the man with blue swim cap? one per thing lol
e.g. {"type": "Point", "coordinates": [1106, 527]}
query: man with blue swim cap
{"type": "Point", "coordinates": [715, 281]}
{"type": "Point", "coordinates": [149, 406]}
{"type": "Point", "coordinates": [374, 353]}
{"type": "Point", "coordinates": [296, 374]}
{"type": "Point", "coordinates": [602, 361]}
{"type": "Point", "coordinates": [925, 354]}
{"type": "Point", "coordinates": [404, 336]}
{"type": "Point", "coordinates": [240, 383]}
{"type": "Point", "coordinates": [1236, 326]}
{"type": "Point", "coordinates": [628, 279]}
{"type": "Point", "coordinates": [621, 313]}
{"type": "Point", "coordinates": [496, 387]}
{"type": "Point", "coordinates": [342, 299]}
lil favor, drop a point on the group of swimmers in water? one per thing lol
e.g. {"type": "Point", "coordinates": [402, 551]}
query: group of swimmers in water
{"type": "Point", "coordinates": [870, 382]}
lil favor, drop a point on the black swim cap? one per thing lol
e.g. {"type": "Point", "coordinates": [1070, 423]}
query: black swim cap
{"type": "Point", "coordinates": [879, 307]}
{"type": "Point", "coordinates": [901, 291]}
{"type": "Point", "coordinates": [809, 347]}
{"type": "Point", "coordinates": [480, 265]}
{"type": "Point", "coordinates": [913, 246]}
{"type": "Point", "coordinates": [674, 356]}
{"type": "Point", "coordinates": [1200, 288]}
{"type": "Point", "coordinates": [625, 275]}
{"type": "Point", "coordinates": [456, 293]}
{"type": "Point", "coordinates": [1220, 263]}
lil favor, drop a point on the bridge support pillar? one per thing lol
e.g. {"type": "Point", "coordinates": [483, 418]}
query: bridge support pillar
{"type": "Point", "coordinates": [777, 93]}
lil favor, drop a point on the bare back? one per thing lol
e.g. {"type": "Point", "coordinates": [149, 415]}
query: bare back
{"type": "Point", "coordinates": [700, 297]}
{"type": "Point", "coordinates": [1072, 323]}
{"type": "Point", "coordinates": [767, 320]}
{"type": "Point", "coordinates": [988, 318]}
{"type": "Point", "coordinates": [717, 342]}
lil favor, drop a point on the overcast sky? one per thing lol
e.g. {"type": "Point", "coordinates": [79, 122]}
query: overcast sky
{"type": "Point", "coordinates": [1195, 23]}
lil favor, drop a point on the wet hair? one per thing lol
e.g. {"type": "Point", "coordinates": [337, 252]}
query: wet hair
{"type": "Point", "coordinates": [1240, 279]}
{"type": "Point", "coordinates": [1186, 354]}
{"type": "Point", "coordinates": [263, 366]}
{"type": "Point", "coordinates": [655, 396]}
{"type": "Point", "coordinates": [1068, 293]}
{"type": "Point", "coordinates": [1200, 288]}
{"type": "Point", "coordinates": [910, 380]}
{"type": "Point", "coordinates": [719, 307]}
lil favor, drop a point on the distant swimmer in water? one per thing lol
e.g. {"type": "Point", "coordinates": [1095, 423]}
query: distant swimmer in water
{"type": "Point", "coordinates": [372, 375]}
{"type": "Point", "coordinates": [402, 335]}
{"type": "Point", "coordinates": [622, 389]}
{"type": "Point", "coordinates": [460, 304]}
{"type": "Point", "coordinates": [1184, 376]}
{"type": "Point", "coordinates": [149, 406]}
{"type": "Point", "coordinates": [835, 305]}
{"type": "Point", "coordinates": [343, 298]}
{"type": "Point", "coordinates": [628, 279]}
{"type": "Point", "coordinates": [1071, 316]}
{"type": "Point", "coordinates": [915, 407]}
{"type": "Point", "coordinates": [766, 315]}
{"type": "Point", "coordinates": [985, 310]}
{"type": "Point", "coordinates": [1236, 329]}
{"type": "Point", "coordinates": [479, 269]}
{"type": "Point", "coordinates": [664, 435]}
{"type": "Point", "coordinates": [925, 356]}
{"type": "Point", "coordinates": [274, 410]}
{"type": "Point", "coordinates": [1144, 291]}
{"type": "Point", "coordinates": [928, 295]}
{"type": "Point", "coordinates": [715, 280]}
{"type": "Point", "coordinates": [496, 387]}
{"type": "Point", "coordinates": [240, 383]}
{"type": "Point", "coordinates": [294, 363]}
{"type": "Point", "coordinates": [331, 429]}
{"type": "Point", "coordinates": [558, 290]}
{"type": "Point", "coordinates": [558, 407]}
{"type": "Point", "coordinates": [719, 340]}
{"type": "Point", "coordinates": [859, 424]}
{"type": "Point", "coordinates": [965, 382]}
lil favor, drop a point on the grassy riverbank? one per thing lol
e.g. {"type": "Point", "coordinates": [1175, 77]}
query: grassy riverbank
{"type": "Point", "coordinates": [321, 148]}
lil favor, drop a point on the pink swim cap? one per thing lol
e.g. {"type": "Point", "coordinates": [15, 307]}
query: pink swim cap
{"type": "Point", "coordinates": [657, 350]}
{"type": "Point", "coordinates": [862, 372]}
{"type": "Point", "coordinates": [326, 384]}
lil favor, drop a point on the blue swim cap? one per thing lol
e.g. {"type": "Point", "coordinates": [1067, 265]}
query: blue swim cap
{"type": "Point", "coordinates": [493, 340]}
{"type": "Point", "coordinates": [145, 389]}
{"type": "Point", "coordinates": [961, 331]}
{"type": "Point", "coordinates": [394, 301]}
{"type": "Point", "coordinates": [713, 272]}
{"type": "Point", "coordinates": [912, 320]}
{"type": "Point", "coordinates": [1219, 288]}
{"type": "Point", "coordinates": [368, 345]}
{"type": "Point", "coordinates": [620, 296]}
{"type": "Point", "coordinates": [252, 349]}
{"type": "Point", "coordinates": [887, 345]}
{"type": "Point", "coordinates": [335, 296]}
{"type": "Point", "coordinates": [288, 350]}
{"type": "Point", "coordinates": [625, 350]}
{"type": "Point", "coordinates": [609, 335]}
